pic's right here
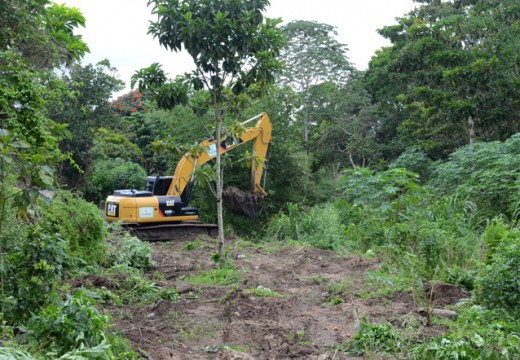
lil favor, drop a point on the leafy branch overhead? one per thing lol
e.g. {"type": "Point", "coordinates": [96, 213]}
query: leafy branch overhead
{"type": "Point", "coordinates": [230, 41]}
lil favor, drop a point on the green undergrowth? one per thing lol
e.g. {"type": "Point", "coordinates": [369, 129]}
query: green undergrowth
{"type": "Point", "coordinates": [456, 223]}
{"type": "Point", "coordinates": [44, 315]}
{"type": "Point", "coordinates": [227, 276]}
{"type": "Point", "coordinates": [478, 333]}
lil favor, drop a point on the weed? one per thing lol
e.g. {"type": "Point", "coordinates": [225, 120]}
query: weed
{"type": "Point", "coordinates": [229, 294]}
{"type": "Point", "coordinates": [216, 277]}
{"type": "Point", "coordinates": [261, 291]}
{"type": "Point", "coordinates": [374, 338]}
{"type": "Point", "coordinates": [385, 285]}
{"type": "Point", "coordinates": [338, 289]}
{"type": "Point", "coordinates": [320, 226]}
{"type": "Point", "coordinates": [74, 324]}
{"type": "Point", "coordinates": [127, 250]}
{"type": "Point", "coordinates": [84, 232]}
{"type": "Point", "coordinates": [336, 300]}
{"type": "Point", "coordinates": [192, 245]}
{"type": "Point", "coordinates": [238, 348]}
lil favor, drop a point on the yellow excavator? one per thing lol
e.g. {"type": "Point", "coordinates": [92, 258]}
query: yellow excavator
{"type": "Point", "coordinates": [161, 212]}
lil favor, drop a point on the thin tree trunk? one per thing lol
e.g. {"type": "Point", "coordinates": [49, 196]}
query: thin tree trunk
{"type": "Point", "coordinates": [306, 133]}
{"type": "Point", "coordinates": [471, 126]}
{"type": "Point", "coordinates": [352, 161]}
{"type": "Point", "coordinates": [220, 182]}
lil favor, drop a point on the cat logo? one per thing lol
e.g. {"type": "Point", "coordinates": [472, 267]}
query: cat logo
{"type": "Point", "coordinates": [111, 209]}
{"type": "Point", "coordinates": [170, 202]}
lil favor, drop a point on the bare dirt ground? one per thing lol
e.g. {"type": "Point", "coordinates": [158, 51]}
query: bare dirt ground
{"type": "Point", "coordinates": [225, 322]}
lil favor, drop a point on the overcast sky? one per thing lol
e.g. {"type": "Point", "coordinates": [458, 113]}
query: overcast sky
{"type": "Point", "coordinates": [117, 30]}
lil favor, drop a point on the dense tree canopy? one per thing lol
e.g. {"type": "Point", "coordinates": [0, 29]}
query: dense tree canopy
{"type": "Point", "coordinates": [451, 75]}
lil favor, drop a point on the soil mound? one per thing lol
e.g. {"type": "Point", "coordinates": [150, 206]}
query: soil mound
{"type": "Point", "coordinates": [445, 294]}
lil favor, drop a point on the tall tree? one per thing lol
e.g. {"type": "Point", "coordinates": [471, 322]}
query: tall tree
{"type": "Point", "coordinates": [452, 74]}
{"type": "Point", "coordinates": [231, 43]}
{"type": "Point", "coordinates": [347, 126]}
{"type": "Point", "coordinates": [29, 51]}
{"type": "Point", "coordinates": [42, 32]}
{"type": "Point", "coordinates": [312, 56]}
{"type": "Point", "coordinates": [85, 111]}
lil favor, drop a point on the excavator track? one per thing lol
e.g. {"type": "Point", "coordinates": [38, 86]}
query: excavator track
{"type": "Point", "coordinates": [185, 230]}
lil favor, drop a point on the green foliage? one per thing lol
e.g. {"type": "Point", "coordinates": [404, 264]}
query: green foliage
{"type": "Point", "coordinates": [485, 173]}
{"type": "Point", "coordinates": [226, 276]}
{"type": "Point", "coordinates": [127, 250]}
{"type": "Point", "coordinates": [345, 121]}
{"type": "Point", "coordinates": [28, 139]}
{"type": "Point", "coordinates": [450, 77]}
{"type": "Point", "coordinates": [60, 22]}
{"type": "Point", "coordinates": [8, 353]}
{"type": "Point", "coordinates": [498, 285]}
{"type": "Point", "coordinates": [111, 145]}
{"type": "Point", "coordinates": [85, 109]}
{"type": "Point", "coordinates": [112, 174]}
{"type": "Point", "coordinates": [80, 224]}
{"type": "Point", "coordinates": [74, 324]}
{"type": "Point", "coordinates": [384, 189]}
{"type": "Point", "coordinates": [192, 245]}
{"type": "Point", "coordinates": [127, 285]}
{"type": "Point", "coordinates": [33, 266]}
{"type": "Point", "coordinates": [415, 160]}
{"type": "Point", "coordinates": [390, 210]}
{"type": "Point", "coordinates": [476, 334]}
{"type": "Point", "coordinates": [319, 227]}
{"type": "Point", "coordinates": [313, 58]}
{"type": "Point", "coordinates": [42, 32]}
{"type": "Point", "coordinates": [374, 338]}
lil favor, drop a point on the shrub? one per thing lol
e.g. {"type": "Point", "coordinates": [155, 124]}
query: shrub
{"type": "Point", "coordinates": [374, 338]}
{"type": "Point", "coordinates": [485, 173]}
{"type": "Point", "coordinates": [127, 250]}
{"type": "Point", "coordinates": [74, 324]}
{"type": "Point", "coordinates": [32, 270]}
{"type": "Point", "coordinates": [79, 223]}
{"type": "Point", "coordinates": [498, 285]}
{"type": "Point", "coordinates": [415, 160]}
{"type": "Point", "coordinates": [111, 174]}
{"type": "Point", "coordinates": [477, 333]}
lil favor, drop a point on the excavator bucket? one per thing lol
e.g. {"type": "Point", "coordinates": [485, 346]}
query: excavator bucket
{"type": "Point", "coordinates": [242, 203]}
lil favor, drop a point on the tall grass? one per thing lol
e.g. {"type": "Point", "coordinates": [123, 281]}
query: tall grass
{"type": "Point", "coordinates": [320, 226]}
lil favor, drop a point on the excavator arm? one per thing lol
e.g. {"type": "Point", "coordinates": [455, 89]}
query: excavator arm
{"type": "Point", "coordinates": [260, 135]}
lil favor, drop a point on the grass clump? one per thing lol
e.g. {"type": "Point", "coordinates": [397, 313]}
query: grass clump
{"type": "Point", "coordinates": [228, 276]}
{"type": "Point", "coordinates": [261, 291]}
